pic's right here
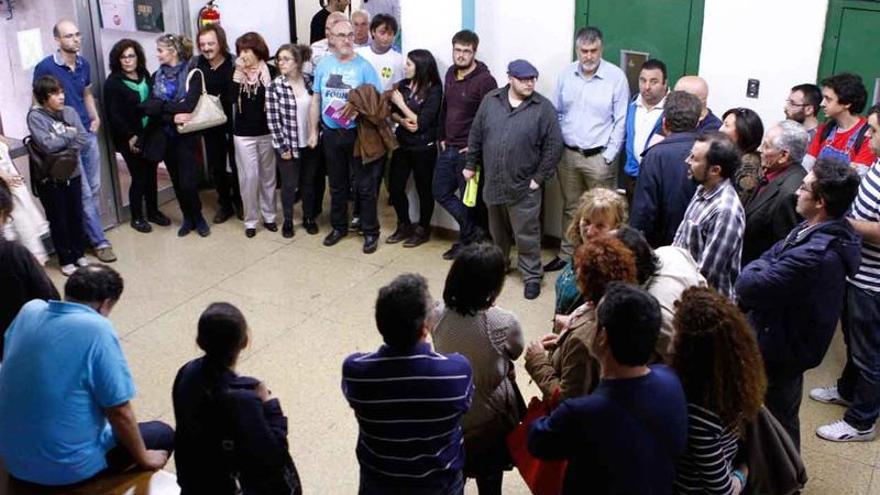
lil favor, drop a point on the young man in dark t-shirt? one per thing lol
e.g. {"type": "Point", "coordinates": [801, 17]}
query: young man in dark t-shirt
{"type": "Point", "coordinates": [626, 436]}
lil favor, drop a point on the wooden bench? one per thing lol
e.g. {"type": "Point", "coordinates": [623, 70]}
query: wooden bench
{"type": "Point", "coordinates": [132, 483]}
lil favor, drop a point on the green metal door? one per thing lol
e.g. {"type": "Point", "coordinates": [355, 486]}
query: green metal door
{"type": "Point", "coordinates": [670, 30]}
{"type": "Point", "coordinates": [850, 43]}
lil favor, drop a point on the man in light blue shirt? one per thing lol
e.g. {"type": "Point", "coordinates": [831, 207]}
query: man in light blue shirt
{"type": "Point", "coordinates": [591, 100]}
{"type": "Point", "coordinates": [65, 390]}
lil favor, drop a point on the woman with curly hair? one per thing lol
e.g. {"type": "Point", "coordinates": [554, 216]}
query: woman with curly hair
{"type": "Point", "coordinates": [717, 359]}
{"type": "Point", "coordinates": [561, 363]}
{"type": "Point", "coordinates": [599, 212]}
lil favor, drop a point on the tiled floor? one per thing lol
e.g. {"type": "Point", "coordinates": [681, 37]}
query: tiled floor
{"type": "Point", "coordinates": [309, 306]}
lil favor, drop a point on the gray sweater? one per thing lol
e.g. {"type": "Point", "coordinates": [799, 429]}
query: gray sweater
{"type": "Point", "coordinates": [55, 131]}
{"type": "Point", "coordinates": [513, 146]}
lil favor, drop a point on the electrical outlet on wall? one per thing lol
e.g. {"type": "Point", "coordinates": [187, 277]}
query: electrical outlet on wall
{"type": "Point", "coordinates": [752, 88]}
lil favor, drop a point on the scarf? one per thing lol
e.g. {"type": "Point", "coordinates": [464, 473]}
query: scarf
{"type": "Point", "coordinates": [250, 79]}
{"type": "Point", "coordinates": [169, 82]}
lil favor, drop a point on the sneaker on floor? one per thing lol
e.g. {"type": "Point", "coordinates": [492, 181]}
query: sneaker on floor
{"type": "Point", "coordinates": [68, 269]}
{"type": "Point", "coordinates": [82, 261]}
{"type": "Point", "coordinates": [828, 395]}
{"type": "Point", "coordinates": [105, 254]}
{"type": "Point", "coordinates": [841, 431]}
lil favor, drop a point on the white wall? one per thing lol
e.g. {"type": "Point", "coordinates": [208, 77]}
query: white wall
{"type": "Point", "coordinates": [777, 42]}
{"type": "Point", "coordinates": [270, 18]}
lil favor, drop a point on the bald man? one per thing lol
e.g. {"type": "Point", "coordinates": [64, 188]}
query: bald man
{"type": "Point", "coordinates": [322, 47]}
{"type": "Point", "coordinates": [697, 86]}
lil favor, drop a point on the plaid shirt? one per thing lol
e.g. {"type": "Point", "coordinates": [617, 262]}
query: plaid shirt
{"type": "Point", "coordinates": [712, 231]}
{"type": "Point", "coordinates": [281, 116]}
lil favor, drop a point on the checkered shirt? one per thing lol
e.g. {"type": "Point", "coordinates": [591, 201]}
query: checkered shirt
{"type": "Point", "coordinates": [712, 231]}
{"type": "Point", "coordinates": [281, 116]}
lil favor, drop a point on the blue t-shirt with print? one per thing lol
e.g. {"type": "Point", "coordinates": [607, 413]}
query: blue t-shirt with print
{"type": "Point", "coordinates": [73, 81]}
{"type": "Point", "coordinates": [62, 367]}
{"type": "Point", "coordinates": [333, 81]}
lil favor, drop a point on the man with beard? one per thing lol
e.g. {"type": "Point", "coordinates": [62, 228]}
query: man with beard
{"type": "Point", "coordinates": [467, 82]}
{"type": "Point", "coordinates": [516, 140]}
{"type": "Point", "coordinates": [713, 224]}
{"type": "Point", "coordinates": [591, 100]}
{"type": "Point", "coordinates": [217, 64]}
{"type": "Point", "coordinates": [802, 106]}
{"type": "Point", "coordinates": [72, 70]}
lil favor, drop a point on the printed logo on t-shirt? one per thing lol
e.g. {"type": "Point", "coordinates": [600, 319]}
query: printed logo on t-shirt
{"type": "Point", "coordinates": [386, 73]}
{"type": "Point", "coordinates": [336, 96]}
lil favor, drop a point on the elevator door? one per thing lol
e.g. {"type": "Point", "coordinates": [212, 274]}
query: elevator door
{"type": "Point", "coordinates": [850, 43]}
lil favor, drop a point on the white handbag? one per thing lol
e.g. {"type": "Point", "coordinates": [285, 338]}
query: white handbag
{"type": "Point", "coordinates": [208, 112]}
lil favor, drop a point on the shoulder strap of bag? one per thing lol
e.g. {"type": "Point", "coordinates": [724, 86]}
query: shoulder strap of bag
{"type": "Point", "coordinates": [189, 76]}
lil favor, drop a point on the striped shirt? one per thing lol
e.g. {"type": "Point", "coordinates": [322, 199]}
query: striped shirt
{"type": "Point", "coordinates": [409, 405]}
{"type": "Point", "coordinates": [866, 207]}
{"type": "Point", "coordinates": [706, 465]}
{"type": "Point", "coordinates": [712, 231]}
{"type": "Point", "coordinates": [281, 115]}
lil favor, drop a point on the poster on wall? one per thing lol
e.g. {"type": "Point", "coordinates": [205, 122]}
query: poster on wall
{"type": "Point", "coordinates": [117, 14]}
{"type": "Point", "coordinates": [148, 16]}
{"type": "Point", "coordinates": [30, 47]}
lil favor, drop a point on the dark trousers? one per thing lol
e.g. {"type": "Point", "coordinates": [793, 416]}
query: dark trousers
{"type": "Point", "coordinates": [143, 184]}
{"type": "Point", "coordinates": [180, 159]}
{"type": "Point", "coordinates": [157, 436]}
{"type": "Point", "coordinates": [290, 172]}
{"type": "Point", "coordinates": [785, 389]}
{"type": "Point", "coordinates": [860, 381]}
{"type": "Point", "coordinates": [311, 181]}
{"type": "Point", "coordinates": [63, 205]}
{"type": "Point", "coordinates": [218, 149]}
{"type": "Point", "coordinates": [520, 222]}
{"type": "Point", "coordinates": [342, 168]}
{"type": "Point", "coordinates": [420, 163]}
{"type": "Point", "coordinates": [448, 180]}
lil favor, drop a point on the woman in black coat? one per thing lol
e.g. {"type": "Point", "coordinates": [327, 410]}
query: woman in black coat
{"type": "Point", "coordinates": [127, 86]}
{"type": "Point", "coordinates": [171, 103]}
{"type": "Point", "coordinates": [230, 430]}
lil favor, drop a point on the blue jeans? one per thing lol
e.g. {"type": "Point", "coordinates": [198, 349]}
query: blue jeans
{"type": "Point", "coordinates": [447, 180]}
{"type": "Point", "coordinates": [91, 193]}
{"type": "Point", "coordinates": [375, 484]}
{"type": "Point", "coordinates": [860, 380]}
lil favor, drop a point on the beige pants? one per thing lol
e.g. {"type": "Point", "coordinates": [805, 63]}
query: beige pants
{"type": "Point", "coordinates": [255, 159]}
{"type": "Point", "coordinates": [577, 175]}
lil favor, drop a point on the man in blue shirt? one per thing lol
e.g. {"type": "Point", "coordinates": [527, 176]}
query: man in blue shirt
{"type": "Point", "coordinates": [626, 436]}
{"type": "Point", "coordinates": [591, 101]}
{"type": "Point", "coordinates": [408, 399]}
{"type": "Point", "coordinates": [65, 390]}
{"type": "Point", "coordinates": [336, 74]}
{"type": "Point", "coordinates": [74, 73]}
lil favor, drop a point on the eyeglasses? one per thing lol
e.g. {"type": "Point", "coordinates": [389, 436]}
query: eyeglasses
{"type": "Point", "coordinates": [349, 36]}
{"type": "Point", "coordinates": [284, 59]}
{"type": "Point", "coordinates": [803, 187]}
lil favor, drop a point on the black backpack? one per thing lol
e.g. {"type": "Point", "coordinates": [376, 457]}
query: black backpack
{"type": "Point", "coordinates": [45, 167]}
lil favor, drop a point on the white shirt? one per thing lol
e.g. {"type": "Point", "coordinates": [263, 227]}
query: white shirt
{"type": "Point", "coordinates": [302, 118]}
{"type": "Point", "coordinates": [319, 49]}
{"type": "Point", "coordinates": [388, 65]}
{"type": "Point", "coordinates": [645, 120]}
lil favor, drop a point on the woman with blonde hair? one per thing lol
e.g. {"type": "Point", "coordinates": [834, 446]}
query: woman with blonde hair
{"type": "Point", "coordinates": [717, 359]}
{"type": "Point", "coordinates": [599, 212]}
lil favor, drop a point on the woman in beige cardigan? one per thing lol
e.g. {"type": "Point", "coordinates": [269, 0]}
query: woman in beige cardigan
{"type": "Point", "coordinates": [561, 363]}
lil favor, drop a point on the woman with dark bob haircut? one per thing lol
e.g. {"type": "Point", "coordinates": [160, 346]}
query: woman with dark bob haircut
{"type": "Point", "coordinates": [744, 127]}
{"type": "Point", "coordinates": [561, 363]}
{"type": "Point", "coordinates": [214, 408]}
{"type": "Point", "coordinates": [717, 359]}
{"type": "Point", "coordinates": [127, 86]}
{"type": "Point", "coordinates": [490, 337]}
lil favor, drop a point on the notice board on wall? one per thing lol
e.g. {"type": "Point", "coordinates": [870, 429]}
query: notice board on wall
{"type": "Point", "coordinates": [148, 16]}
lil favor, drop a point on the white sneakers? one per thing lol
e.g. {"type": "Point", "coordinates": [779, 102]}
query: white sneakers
{"type": "Point", "coordinates": [69, 268]}
{"type": "Point", "coordinates": [828, 395]}
{"type": "Point", "coordinates": [841, 431]}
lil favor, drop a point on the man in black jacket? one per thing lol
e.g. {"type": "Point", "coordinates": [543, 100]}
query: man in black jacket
{"type": "Point", "coordinates": [516, 139]}
{"type": "Point", "coordinates": [770, 210]}
{"type": "Point", "coordinates": [664, 190]}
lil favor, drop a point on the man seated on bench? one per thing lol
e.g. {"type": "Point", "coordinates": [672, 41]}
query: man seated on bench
{"type": "Point", "coordinates": [65, 390]}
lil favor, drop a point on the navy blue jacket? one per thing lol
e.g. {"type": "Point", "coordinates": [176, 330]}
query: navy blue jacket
{"type": "Point", "coordinates": [664, 189]}
{"type": "Point", "coordinates": [794, 293]}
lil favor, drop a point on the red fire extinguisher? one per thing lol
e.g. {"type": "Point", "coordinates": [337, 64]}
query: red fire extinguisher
{"type": "Point", "coordinates": [209, 14]}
